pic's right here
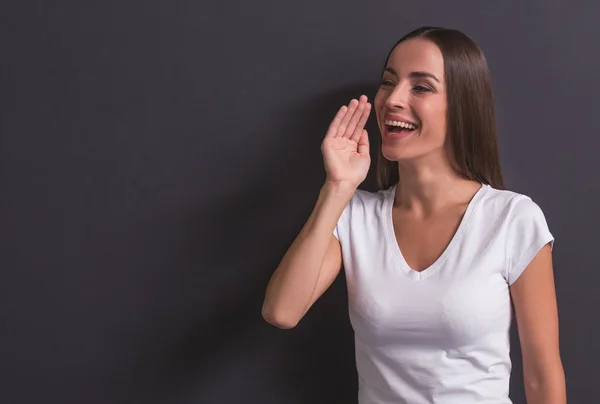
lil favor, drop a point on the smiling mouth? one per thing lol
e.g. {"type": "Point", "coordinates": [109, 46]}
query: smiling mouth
{"type": "Point", "coordinates": [399, 127]}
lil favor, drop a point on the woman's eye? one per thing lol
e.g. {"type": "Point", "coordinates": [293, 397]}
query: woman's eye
{"type": "Point", "coordinates": [421, 89]}
{"type": "Point", "coordinates": [387, 83]}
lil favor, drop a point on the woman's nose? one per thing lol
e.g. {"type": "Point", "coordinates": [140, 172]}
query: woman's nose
{"type": "Point", "coordinates": [398, 98]}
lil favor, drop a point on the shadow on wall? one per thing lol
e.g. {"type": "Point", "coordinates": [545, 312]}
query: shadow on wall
{"type": "Point", "coordinates": [227, 254]}
{"type": "Point", "coordinates": [318, 355]}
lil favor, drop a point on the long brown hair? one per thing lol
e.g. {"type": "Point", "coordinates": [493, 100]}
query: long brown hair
{"type": "Point", "coordinates": [470, 116]}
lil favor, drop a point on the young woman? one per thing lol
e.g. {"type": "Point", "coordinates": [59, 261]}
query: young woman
{"type": "Point", "coordinates": [434, 259]}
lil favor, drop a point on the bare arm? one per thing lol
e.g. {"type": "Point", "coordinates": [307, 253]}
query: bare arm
{"type": "Point", "coordinates": [314, 259]}
{"type": "Point", "coordinates": [310, 265]}
{"type": "Point", "coordinates": [534, 298]}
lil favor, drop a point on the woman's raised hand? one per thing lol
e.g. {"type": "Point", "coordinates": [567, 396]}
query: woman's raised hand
{"type": "Point", "coordinates": [345, 147]}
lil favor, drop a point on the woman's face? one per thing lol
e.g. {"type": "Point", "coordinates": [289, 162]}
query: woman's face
{"type": "Point", "coordinates": [412, 95]}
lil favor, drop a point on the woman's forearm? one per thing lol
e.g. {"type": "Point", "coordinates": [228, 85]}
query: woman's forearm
{"type": "Point", "coordinates": [549, 389]}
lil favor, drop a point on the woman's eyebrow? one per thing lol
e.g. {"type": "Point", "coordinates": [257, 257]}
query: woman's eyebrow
{"type": "Point", "coordinates": [413, 74]}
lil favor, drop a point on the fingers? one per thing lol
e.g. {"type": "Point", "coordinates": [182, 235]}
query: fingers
{"type": "Point", "coordinates": [363, 143]}
{"type": "Point", "coordinates": [362, 120]}
{"type": "Point", "coordinates": [352, 124]}
{"type": "Point", "coordinates": [341, 131]}
{"type": "Point", "coordinates": [350, 120]}
{"type": "Point", "coordinates": [335, 123]}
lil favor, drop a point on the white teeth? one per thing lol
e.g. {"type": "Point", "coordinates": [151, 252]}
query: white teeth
{"type": "Point", "coordinates": [401, 124]}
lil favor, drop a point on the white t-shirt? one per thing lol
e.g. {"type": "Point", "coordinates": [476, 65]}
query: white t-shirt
{"type": "Point", "coordinates": [440, 335]}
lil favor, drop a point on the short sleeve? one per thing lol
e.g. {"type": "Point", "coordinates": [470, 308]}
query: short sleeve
{"type": "Point", "coordinates": [528, 232]}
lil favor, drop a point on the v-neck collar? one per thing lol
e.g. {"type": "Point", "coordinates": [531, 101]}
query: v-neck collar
{"type": "Point", "coordinates": [393, 242]}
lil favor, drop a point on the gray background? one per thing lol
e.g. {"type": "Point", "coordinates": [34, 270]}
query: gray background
{"type": "Point", "coordinates": [158, 158]}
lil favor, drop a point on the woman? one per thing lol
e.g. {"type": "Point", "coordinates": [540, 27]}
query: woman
{"type": "Point", "coordinates": [434, 258]}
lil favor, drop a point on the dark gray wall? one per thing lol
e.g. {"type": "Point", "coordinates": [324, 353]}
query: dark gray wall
{"type": "Point", "coordinates": [158, 158]}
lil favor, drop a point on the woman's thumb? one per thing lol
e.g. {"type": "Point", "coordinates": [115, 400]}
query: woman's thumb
{"type": "Point", "coordinates": [363, 143]}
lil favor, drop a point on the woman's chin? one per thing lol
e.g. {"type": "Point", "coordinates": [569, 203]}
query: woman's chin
{"type": "Point", "coordinates": [404, 153]}
{"type": "Point", "coordinates": [394, 153]}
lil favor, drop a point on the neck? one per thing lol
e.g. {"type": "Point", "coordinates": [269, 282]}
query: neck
{"type": "Point", "coordinates": [425, 189]}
